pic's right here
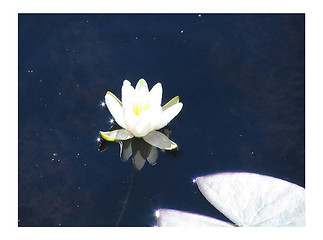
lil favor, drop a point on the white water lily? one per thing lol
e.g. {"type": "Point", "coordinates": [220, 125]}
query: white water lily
{"type": "Point", "coordinates": [140, 114]}
{"type": "Point", "coordinates": [247, 199]}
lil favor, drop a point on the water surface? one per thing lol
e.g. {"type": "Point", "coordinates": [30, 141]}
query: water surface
{"type": "Point", "coordinates": [240, 77]}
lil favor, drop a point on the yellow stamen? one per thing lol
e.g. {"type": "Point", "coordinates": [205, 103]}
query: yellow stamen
{"type": "Point", "coordinates": [138, 108]}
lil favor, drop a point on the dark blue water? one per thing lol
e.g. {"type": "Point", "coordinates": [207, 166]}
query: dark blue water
{"type": "Point", "coordinates": [240, 77]}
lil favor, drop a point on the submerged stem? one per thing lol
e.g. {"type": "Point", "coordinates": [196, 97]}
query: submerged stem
{"type": "Point", "coordinates": [126, 199]}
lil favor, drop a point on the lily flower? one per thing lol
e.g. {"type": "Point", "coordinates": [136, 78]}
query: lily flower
{"type": "Point", "coordinates": [140, 114]}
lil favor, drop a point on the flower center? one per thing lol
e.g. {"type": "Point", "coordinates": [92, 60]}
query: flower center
{"type": "Point", "coordinates": [138, 108]}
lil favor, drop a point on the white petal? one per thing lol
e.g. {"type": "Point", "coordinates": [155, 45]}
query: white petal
{"type": "Point", "coordinates": [175, 218]}
{"type": "Point", "coordinates": [117, 135]}
{"type": "Point", "coordinates": [170, 103]}
{"type": "Point", "coordinates": [141, 125]}
{"type": "Point", "coordinates": [169, 114]}
{"type": "Point", "coordinates": [159, 140]}
{"type": "Point", "coordinates": [142, 128]}
{"type": "Point", "coordinates": [115, 107]}
{"type": "Point", "coordinates": [156, 94]}
{"type": "Point", "coordinates": [250, 199]}
{"type": "Point", "coordinates": [142, 86]}
{"type": "Point", "coordinates": [127, 92]}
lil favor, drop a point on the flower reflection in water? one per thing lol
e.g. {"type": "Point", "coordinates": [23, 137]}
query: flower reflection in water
{"type": "Point", "coordinates": [139, 149]}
